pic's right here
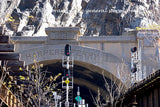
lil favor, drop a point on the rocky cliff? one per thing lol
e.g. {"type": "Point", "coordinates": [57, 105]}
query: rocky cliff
{"type": "Point", "coordinates": [93, 17]}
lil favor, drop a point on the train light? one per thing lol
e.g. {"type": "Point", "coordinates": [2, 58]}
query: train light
{"type": "Point", "coordinates": [67, 50]}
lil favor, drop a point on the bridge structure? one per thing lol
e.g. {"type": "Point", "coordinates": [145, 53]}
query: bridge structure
{"type": "Point", "coordinates": [93, 54]}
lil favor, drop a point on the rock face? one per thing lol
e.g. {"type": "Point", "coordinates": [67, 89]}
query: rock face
{"type": "Point", "coordinates": [6, 8]}
{"type": "Point", "coordinates": [93, 17]}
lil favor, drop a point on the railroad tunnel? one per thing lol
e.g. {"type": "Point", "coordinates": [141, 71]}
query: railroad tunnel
{"type": "Point", "coordinates": [86, 76]}
{"type": "Point", "coordinates": [89, 64]}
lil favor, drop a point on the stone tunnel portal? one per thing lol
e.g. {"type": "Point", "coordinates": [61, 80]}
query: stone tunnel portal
{"type": "Point", "coordinates": [89, 64]}
{"type": "Point", "coordinates": [87, 76]}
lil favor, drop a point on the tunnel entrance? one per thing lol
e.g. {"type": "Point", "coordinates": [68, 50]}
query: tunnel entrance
{"type": "Point", "coordinates": [87, 77]}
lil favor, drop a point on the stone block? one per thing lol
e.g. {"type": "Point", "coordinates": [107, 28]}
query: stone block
{"type": "Point", "coordinates": [55, 42]}
{"type": "Point", "coordinates": [62, 33]}
{"type": "Point", "coordinates": [62, 29]}
{"type": "Point", "coordinates": [147, 34]}
{"type": "Point", "coordinates": [63, 36]}
{"type": "Point", "coordinates": [149, 42]}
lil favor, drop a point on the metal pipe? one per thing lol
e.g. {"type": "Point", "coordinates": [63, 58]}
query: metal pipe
{"type": "Point", "coordinates": [67, 89]}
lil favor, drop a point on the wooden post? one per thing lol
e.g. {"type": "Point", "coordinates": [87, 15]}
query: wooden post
{"type": "Point", "coordinates": [7, 99]}
{"type": "Point", "coordinates": [150, 101]}
{"type": "Point", "coordinates": [17, 103]}
{"type": "Point", "coordinates": [11, 100]}
{"type": "Point", "coordinates": [134, 103]}
{"type": "Point", "coordinates": [156, 97]}
{"type": "Point", "coordinates": [15, 100]}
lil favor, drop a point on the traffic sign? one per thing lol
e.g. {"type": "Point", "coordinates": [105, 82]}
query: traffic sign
{"type": "Point", "coordinates": [66, 81]}
{"type": "Point", "coordinates": [78, 98]}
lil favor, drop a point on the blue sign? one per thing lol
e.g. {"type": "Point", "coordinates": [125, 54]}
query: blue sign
{"type": "Point", "coordinates": [78, 98]}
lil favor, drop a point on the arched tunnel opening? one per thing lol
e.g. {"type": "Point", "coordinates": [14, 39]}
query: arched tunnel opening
{"type": "Point", "coordinates": [87, 77]}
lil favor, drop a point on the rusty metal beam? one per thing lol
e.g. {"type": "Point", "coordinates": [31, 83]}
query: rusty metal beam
{"type": "Point", "coordinates": [7, 48]}
{"type": "Point", "coordinates": [7, 63]}
{"type": "Point", "coordinates": [4, 39]}
{"type": "Point", "coordinates": [9, 56]}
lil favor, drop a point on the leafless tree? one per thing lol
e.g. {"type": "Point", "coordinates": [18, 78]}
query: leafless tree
{"type": "Point", "coordinates": [115, 87]}
{"type": "Point", "coordinates": [38, 86]}
{"type": "Point", "coordinates": [3, 74]}
{"type": "Point", "coordinates": [7, 85]}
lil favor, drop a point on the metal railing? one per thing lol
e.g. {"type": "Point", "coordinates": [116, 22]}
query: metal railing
{"type": "Point", "coordinates": [8, 97]}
